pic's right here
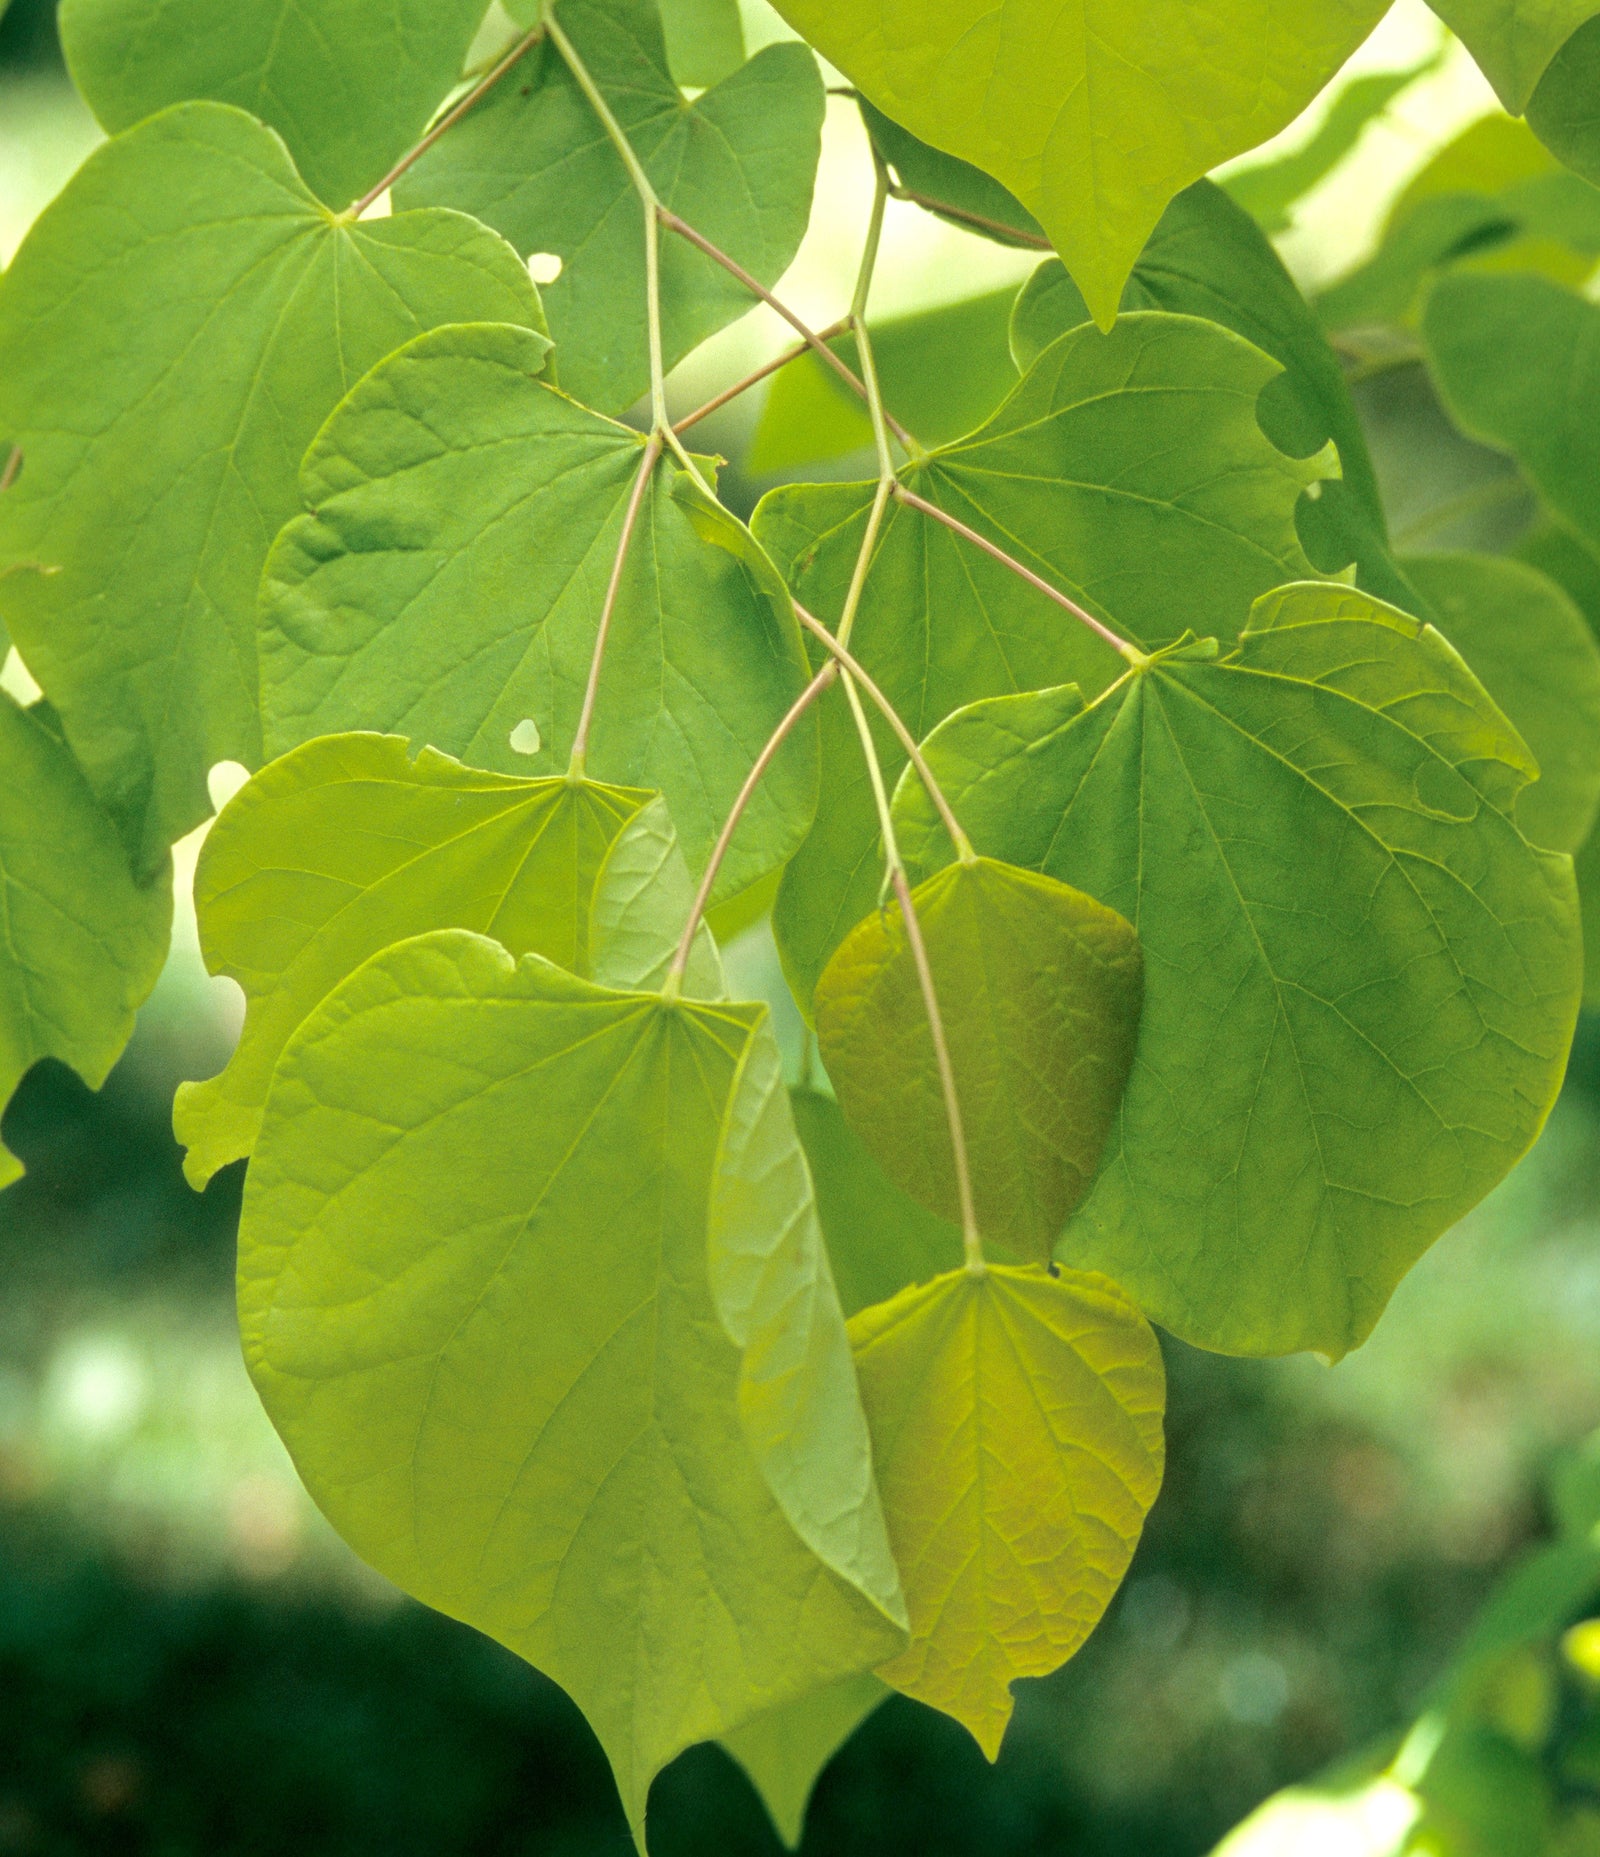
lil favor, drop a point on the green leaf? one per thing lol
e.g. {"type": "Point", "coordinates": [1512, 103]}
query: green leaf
{"type": "Point", "coordinates": [1269, 190]}
{"type": "Point", "coordinates": [642, 899]}
{"type": "Point", "coordinates": [942, 371]}
{"type": "Point", "coordinates": [958, 192]}
{"type": "Point", "coordinates": [705, 40]}
{"type": "Point", "coordinates": [448, 579]}
{"type": "Point", "coordinates": [1534, 653]}
{"type": "Point", "coordinates": [83, 944]}
{"type": "Point", "coordinates": [1039, 988]}
{"type": "Point", "coordinates": [785, 1751]}
{"type": "Point", "coordinates": [498, 1359]}
{"type": "Point", "coordinates": [1565, 110]}
{"type": "Point", "coordinates": [534, 162]}
{"type": "Point", "coordinates": [1209, 258]}
{"type": "Point", "coordinates": [159, 464]}
{"type": "Point", "coordinates": [347, 846]}
{"type": "Point", "coordinates": [1514, 40]}
{"type": "Point", "coordinates": [348, 84]}
{"type": "Point", "coordinates": [879, 1239]}
{"type": "Point", "coordinates": [1121, 466]}
{"type": "Point", "coordinates": [1360, 979]}
{"type": "Point", "coordinates": [1546, 410]}
{"type": "Point", "coordinates": [1093, 115]}
{"type": "Point", "coordinates": [1016, 1422]}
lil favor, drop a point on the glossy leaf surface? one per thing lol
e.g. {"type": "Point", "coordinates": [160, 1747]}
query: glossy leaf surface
{"type": "Point", "coordinates": [1360, 980]}
{"type": "Point", "coordinates": [159, 465]}
{"type": "Point", "coordinates": [534, 162]}
{"type": "Point", "coordinates": [1039, 989]}
{"type": "Point", "coordinates": [1016, 1419]}
{"type": "Point", "coordinates": [448, 579]}
{"type": "Point", "coordinates": [499, 1360]}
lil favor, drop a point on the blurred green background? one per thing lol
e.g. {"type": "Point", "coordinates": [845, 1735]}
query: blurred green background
{"type": "Point", "coordinates": [191, 1663]}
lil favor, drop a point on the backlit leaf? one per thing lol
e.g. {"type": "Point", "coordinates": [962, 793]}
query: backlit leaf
{"type": "Point", "coordinates": [348, 84]}
{"type": "Point", "coordinates": [1092, 114]}
{"type": "Point", "coordinates": [1360, 979]}
{"type": "Point", "coordinates": [784, 1752]}
{"type": "Point", "coordinates": [176, 327]}
{"type": "Point", "coordinates": [1039, 989]}
{"type": "Point", "coordinates": [1514, 40]}
{"type": "Point", "coordinates": [705, 40]}
{"type": "Point", "coordinates": [1016, 1421]}
{"type": "Point", "coordinates": [642, 899]}
{"type": "Point", "coordinates": [1534, 653]}
{"type": "Point", "coordinates": [347, 846]}
{"type": "Point", "coordinates": [448, 579]}
{"type": "Point", "coordinates": [534, 162]}
{"type": "Point", "coordinates": [83, 945]}
{"type": "Point", "coordinates": [497, 1358]}
{"type": "Point", "coordinates": [1120, 466]}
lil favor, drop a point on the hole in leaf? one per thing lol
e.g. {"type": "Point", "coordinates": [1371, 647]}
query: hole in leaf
{"type": "Point", "coordinates": [525, 737]}
{"type": "Point", "coordinates": [544, 267]}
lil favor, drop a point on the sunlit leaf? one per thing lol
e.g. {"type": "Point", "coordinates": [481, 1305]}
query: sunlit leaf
{"type": "Point", "coordinates": [1514, 40]}
{"type": "Point", "coordinates": [175, 329]}
{"type": "Point", "coordinates": [642, 899]}
{"type": "Point", "coordinates": [1360, 979]}
{"type": "Point", "coordinates": [784, 1752]}
{"type": "Point", "coordinates": [347, 846]}
{"type": "Point", "coordinates": [705, 40]}
{"type": "Point", "coordinates": [498, 1358]}
{"type": "Point", "coordinates": [1120, 466]}
{"type": "Point", "coordinates": [83, 945]}
{"type": "Point", "coordinates": [1039, 990]}
{"type": "Point", "coordinates": [1093, 115]}
{"type": "Point", "coordinates": [447, 583]}
{"type": "Point", "coordinates": [534, 162]}
{"type": "Point", "coordinates": [1016, 1420]}
{"type": "Point", "coordinates": [348, 84]}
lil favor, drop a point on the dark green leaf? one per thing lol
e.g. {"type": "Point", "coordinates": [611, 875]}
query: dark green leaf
{"type": "Point", "coordinates": [1565, 110]}
{"type": "Point", "coordinates": [957, 191]}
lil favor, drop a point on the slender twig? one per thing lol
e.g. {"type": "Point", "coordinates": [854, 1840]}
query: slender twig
{"type": "Point", "coordinates": [1101, 630]}
{"type": "Point", "coordinates": [764, 760]}
{"type": "Point", "coordinates": [718, 401]}
{"type": "Point", "coordinates": [930, 204]}
{"type": "Point", "coordinates": [13, 465]}
{"type": "Point", "coordinates": [855, 674]}
{"type": "Point", "coordinates": [858, 322]}
{"type": "Point", "coordinates": [809, 336]}
{"type": "Point", "coordinates": [869, 541]}
{"type": "Point", "coordinates": [618, 135]}
{"type": "Point", "coordinates": [630, 519]}
{"type": "Point", "coordinates": [449, 120]}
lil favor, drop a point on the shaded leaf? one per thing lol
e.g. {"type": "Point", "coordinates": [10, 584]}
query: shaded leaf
{"type": "Point", "coordinates": [1039, 988]}
{"type": "Point", "coordinates": [347, 846]}
{"type": "Point", "coordinates": [1565, 110]}
{"type": "Point", "coordinates": [448, 579]}
{"type": "Point", "coordinates": [83, 945]}
{"type": "Point", "coordinates": [1534, 653]}
{"type": "Point", "coordinates": [784, 1752]}
{"type": "Point", "coordinates": [1120, 466]}
{"type": "Point", "coordinates": [534, 162]}
{"type": "Point", "coordinates": [349, 84]}
{"type": "Point", "coordinates": [497, 1358]}
{"type": "Point", "coordinates": [159, 464]}
{"type": "Point", "coordinates": [1016, 1420]}
{"type": "Point", "coordinates": [1514, 41]}
{"type": "Point", "coordinates": [879, 1239]}
{"type": "Point", "coordinates": [1360, 979]}
{"type": "Point", "coordinates": [968, 197]}
{"type": "Point", "coordinates": [1091, 115]}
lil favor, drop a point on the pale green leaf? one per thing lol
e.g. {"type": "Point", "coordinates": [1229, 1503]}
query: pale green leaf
{"type": "Point", "coordinates": [958, 192]}
{"type": "Point", "coordinates": [348, 84]}
{"type": "Point", "coordinates": [1121, 466]}
{"type": "Point", "coordinates": [448, 579]}
{"type": "Point", "coordinates": [1514, 40]}
{"type": "Point", "coordinates": [1534, 653]}
{"type": "Point", "coordinates": [642, 899]}
{"type": "Point", "coordinates": [1546, 410]}
{"type": "Point", "coordinates": [1016, 1419]}
{"type": "Point", "coordinates": [534, 162]}
{"type": "Point", "coordinates": [346, 846]}
{"type": "Point", "coordinates": [1360, 979]}
{"type": "Point", "coordinates": [176, 327]}
{"type": "Point", "coordinates": [1039, 988]}
{"type": "Point", "coordinates": [879, 1239]}
{"type": "Point", "coordinates": [942, 372]}
{"type": "Point", "coordinates": [1094, 115]}
{"type": "Point", "coordinates": [1565, 109]}
{"type": "Point", "coordinates": [784, 1752]}
{"type": "Point", "coordinates": [495, 1355]}
{"type": "Point", "coordinates": [82, 944]}
{"type": "Point", "coordinates": [705, 40]}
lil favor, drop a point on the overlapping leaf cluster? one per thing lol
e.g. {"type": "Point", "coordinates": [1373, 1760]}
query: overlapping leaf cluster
{"type": "Point", "coordinates": [1175, 873]}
